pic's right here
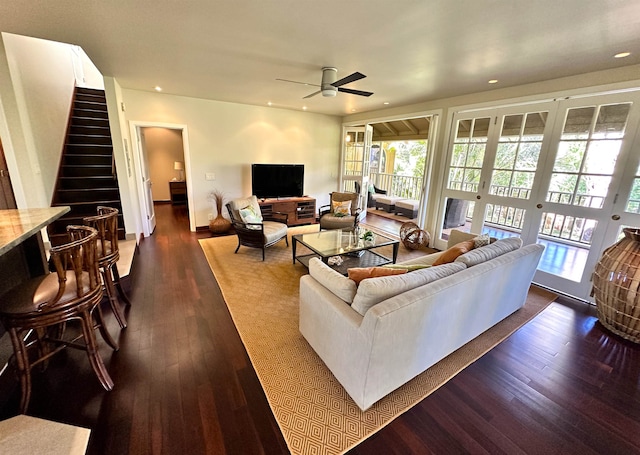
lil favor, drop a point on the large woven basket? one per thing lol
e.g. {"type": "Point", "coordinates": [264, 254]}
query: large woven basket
{"type": "Point", "coordinates": [413, 237]}
{"type": "Point", "coordinates": [616, 282]}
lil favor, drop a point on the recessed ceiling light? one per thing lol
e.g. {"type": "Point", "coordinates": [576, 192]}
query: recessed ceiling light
{"type": "Point", "coordinates": [622, 55]}
{"type": "Point", "coordinates": [269, 103]}
{"type": "Point", "coordinates": [353, 110]}
{"type": "Point", "coordinates": [493, 81]}
{"type": "Point", "coordinates": [386, 102]}
{"type": "Point", "coordinates": [157, 88]}
{"type": "Point", "coordinates": [304, 108]}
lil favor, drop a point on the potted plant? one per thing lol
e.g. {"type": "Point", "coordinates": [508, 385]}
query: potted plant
{"type": "Point", "coordinates": [218, 224]}
{"type": "Point", "coordinates": [368, 237]}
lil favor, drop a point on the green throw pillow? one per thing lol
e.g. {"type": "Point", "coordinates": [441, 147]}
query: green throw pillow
{"type": "Point", "coordinates": [249, 215]}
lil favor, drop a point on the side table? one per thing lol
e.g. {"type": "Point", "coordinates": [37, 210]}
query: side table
{"type": "Point", "coordinates": [178, 192]}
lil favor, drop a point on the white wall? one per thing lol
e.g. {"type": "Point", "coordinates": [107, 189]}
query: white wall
{"type": "Point", "coordinates": [92, 78]}
{"type": "Point", "coordinates": [41, 71]}
{"type": "Point", "coordinates": [122, 153]}
{"type": "Point", "coordinates": [225, 138]}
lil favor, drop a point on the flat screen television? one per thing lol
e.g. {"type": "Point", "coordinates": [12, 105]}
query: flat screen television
{"type": "Point", "coordinates": [277, 180]}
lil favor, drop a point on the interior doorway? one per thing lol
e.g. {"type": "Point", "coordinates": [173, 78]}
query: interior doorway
{"type": "Point", "coordinates": [162, 159]}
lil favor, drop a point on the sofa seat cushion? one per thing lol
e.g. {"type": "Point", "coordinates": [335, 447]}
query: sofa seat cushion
{"type": "Point", "coordinates": [338, 284]}
{"type": "Point", "coordinates": [274, 231]}
{"type": "Point", "coordinates": [486, 253]}
{"type": "Point", "coordinates": [375, 290]}
{"type": "Point", "coordinates": [330, 221]}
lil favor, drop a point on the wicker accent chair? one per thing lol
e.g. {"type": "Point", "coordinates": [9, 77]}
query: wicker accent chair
{"type": "Point", "coordinates": [328, 218]}
{"type": "Point", "coordinates": [106, 223]}
{"type": "Point", "coordinates": [35, 312]}
{"type": "Point", "coordinates": [265, 232]}
{"type": "Point", "coordinates": [455, 213]}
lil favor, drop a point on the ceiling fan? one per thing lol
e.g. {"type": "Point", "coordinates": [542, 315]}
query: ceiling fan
{"type": "Point", "coordinates": [330, 86]}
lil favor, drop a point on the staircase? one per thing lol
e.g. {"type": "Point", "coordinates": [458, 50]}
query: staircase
{"type": "Point", "coordinates": [87, 175]}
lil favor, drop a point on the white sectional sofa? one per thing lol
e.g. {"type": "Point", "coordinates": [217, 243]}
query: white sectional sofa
{"type": "Point", "coordinates": [379, 335]}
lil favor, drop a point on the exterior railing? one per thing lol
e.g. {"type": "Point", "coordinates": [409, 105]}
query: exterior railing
{"type": "Point", "coordinates": [404, 186]}
{"type": "Point", "coordinates": [558, 197]}
{"type": "Point", "coordinates": [553, 226]}
{"type": "Point", "coordinates": [510, 191]}
{"type": "Point", "coordinates": [581, 200]}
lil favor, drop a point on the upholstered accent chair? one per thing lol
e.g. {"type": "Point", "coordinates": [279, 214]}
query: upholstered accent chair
{"type": "Point", "coordinates": [343, 212]}
{"type": "Point", "coordinates": [253, 229]}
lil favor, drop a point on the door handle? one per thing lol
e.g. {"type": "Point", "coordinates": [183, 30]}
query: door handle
{"type": "Point", "coordinates": [539, 206]}
{"type": "Point", "coordinates": [615, 217]}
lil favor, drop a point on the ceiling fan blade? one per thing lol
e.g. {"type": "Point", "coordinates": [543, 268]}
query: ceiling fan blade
{"type": "Point", "coordinates": [350, 78]}
{"type": "Point", "coordinates": [354, 92]}
{"type": "Point", "coordinates": [296, 82]}
{"type": "Point", "coordinates": [313, 94]}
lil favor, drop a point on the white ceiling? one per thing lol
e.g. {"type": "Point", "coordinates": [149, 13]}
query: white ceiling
{"type": "Point", "coordinates": [411, 50]}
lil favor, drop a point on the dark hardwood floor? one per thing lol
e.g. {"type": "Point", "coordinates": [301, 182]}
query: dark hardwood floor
{"type": "Point", "coordinates": [184, 384]}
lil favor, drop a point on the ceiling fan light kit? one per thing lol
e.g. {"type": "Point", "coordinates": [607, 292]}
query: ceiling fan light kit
{"type": "Point", "coordinates": [329, 91]}
{"type": "Point", "coordinates": [329, 76]}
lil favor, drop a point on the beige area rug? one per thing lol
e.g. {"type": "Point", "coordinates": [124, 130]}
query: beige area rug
{"type": "Point", "coordinates": [314, 412]}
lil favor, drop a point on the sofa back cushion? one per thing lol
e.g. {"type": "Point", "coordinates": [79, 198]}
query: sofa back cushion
{"type": "Point", "coordinates": [375, 290]}
{"type": "Point", "coordinates": [335, 282]}
{"type": "Point", "coordinates": [486, 253]}
{"type": "Point", "coordinates": [238, 204]}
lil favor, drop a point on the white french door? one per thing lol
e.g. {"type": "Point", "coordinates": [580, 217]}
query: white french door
{"type": "Point", "coordinates": [552, 173]}
{"type": "Point", "coordinates": [587, 188]}
{"type": "Point", "coordinates": [356, 152]}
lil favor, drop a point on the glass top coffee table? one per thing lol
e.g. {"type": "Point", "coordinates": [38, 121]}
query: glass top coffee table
{"type": "Point", "coordinates": [347, 244]}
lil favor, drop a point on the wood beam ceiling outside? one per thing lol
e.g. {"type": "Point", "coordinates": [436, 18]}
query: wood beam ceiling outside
{"type": "Point", "coordinates": [409, 125]}
{"type": "Point", "coordinates": [391, 129]}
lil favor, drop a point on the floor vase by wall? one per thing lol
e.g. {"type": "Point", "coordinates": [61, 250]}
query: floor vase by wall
{"type": "Point", "coordinates": [616, 282]}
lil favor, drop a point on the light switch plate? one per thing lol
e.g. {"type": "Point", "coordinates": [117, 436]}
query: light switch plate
{"type": "Point", "coordinates": [210, 176]}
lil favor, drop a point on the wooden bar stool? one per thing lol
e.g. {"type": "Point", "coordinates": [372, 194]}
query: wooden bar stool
{"type": "Point", "coordinates": [106, 223]}
{"type": "Point", "coordinates": [35, 313]}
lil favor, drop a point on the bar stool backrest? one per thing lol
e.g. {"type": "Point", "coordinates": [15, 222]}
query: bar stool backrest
{"type": "Point", "coordinates": [106, 223]}
{"type": "Point", "coordinates": [78, 255]}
